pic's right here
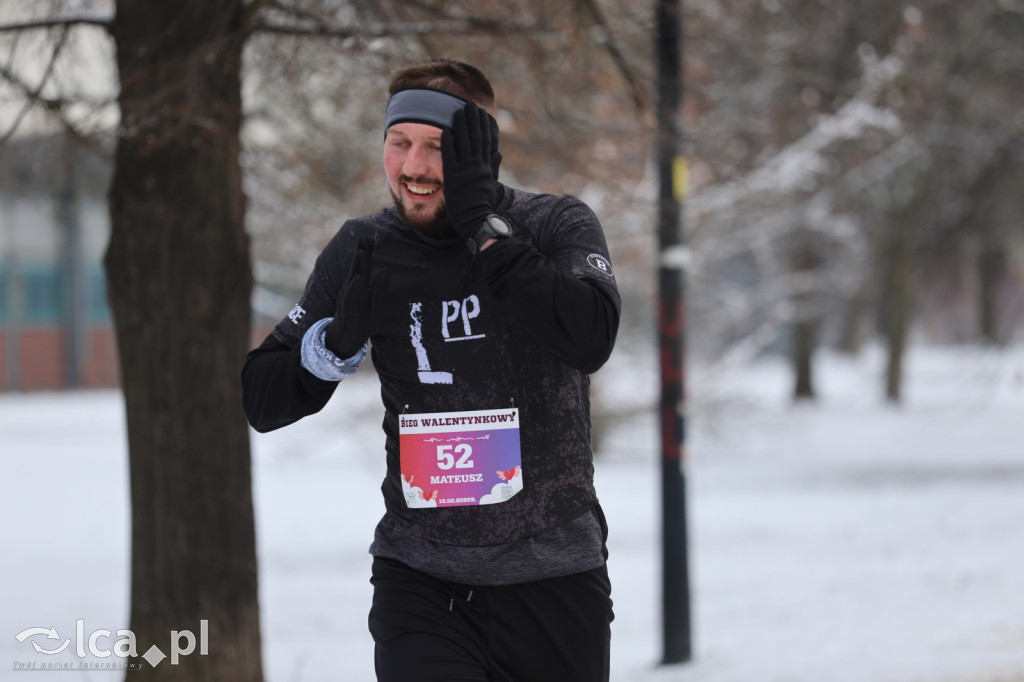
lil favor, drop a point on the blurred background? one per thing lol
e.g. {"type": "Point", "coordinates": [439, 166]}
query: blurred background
{"type": "Point", "coordinates": [854, 167]}
{"type": "Point", "coordinates": [852, 172]}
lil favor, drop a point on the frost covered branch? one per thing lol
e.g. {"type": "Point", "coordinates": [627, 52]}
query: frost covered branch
{"type": "Point", "coordinates": [791, 168]}
{"type": "Point", "coordinates": [798, 163]}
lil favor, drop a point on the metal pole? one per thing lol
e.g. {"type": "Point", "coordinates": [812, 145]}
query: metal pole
{"type": "Point", "coordinates": [671, 334]}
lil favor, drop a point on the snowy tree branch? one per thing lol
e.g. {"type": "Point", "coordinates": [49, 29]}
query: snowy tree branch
{"type": "Point", "coordinates": [801, 160]}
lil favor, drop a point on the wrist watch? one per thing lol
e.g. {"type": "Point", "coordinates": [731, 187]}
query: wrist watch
{"type": "Point", "coordinates": [494, 227]}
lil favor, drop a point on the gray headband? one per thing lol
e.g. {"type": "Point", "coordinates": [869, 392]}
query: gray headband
{"type": "Point", "coordinates": [423, 106]}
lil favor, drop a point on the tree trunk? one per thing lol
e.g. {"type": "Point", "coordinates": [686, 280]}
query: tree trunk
{"type": "Point", "coordinates": [859, 314]}
{"type": "Point", "coordinates": [898, 304]}
{"type": "Point", "coordinates": [991, 268]}
{"type": "Point", "coordinates": [803, 264]}
{"type": "Point", "coordinates": [179, 280]}
{"type": "Point", "coordinates": [803, 351]}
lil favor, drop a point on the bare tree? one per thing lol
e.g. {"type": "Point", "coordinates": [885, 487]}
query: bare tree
{"type": "Point", "coordinates": [178, 282]}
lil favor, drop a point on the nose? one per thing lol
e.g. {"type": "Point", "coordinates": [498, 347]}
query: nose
{"type": "Point", "coordinates": [416, 163]}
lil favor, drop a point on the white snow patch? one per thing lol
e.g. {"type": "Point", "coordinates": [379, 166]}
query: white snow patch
{"type": "Point", "coordinates": [845, 541]}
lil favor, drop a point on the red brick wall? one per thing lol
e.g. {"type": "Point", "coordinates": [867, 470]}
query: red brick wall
{"type": "Point", "coordinates": [100, 365]}
{"type": "Point", "coordinates": [41, 359]}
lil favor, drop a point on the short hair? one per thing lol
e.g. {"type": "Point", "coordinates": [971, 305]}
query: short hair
{"type": "Point", "coordinates": [446, 75]}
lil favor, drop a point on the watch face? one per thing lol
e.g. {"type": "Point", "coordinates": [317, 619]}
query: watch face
{"type": "Point", "coordinates": [500, 227]}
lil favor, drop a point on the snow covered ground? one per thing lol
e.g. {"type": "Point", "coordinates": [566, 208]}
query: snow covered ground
{"type": "Point", "coordinates": [841, 541]}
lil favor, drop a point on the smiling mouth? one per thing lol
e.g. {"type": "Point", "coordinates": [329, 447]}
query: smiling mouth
{"type": "Point", "coordinates": [421, 190]}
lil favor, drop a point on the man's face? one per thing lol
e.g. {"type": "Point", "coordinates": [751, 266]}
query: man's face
{"type": "Point", "coordinates": [412, 163]}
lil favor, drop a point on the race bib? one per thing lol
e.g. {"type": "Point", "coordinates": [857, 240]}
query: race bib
{"type": "Point", "coordinates": [453, 459]}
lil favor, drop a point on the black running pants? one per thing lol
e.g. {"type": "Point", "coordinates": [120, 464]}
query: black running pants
{"type": "Point", "coordinates": [431, 630]}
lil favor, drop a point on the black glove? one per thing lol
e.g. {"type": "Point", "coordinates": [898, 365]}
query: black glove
{"type": "Point", "coordinates": [469, 154]}
{"type": "Point", "coordinates": [350, 328]}
{"type": "Point", "coordinates": [495, 154]}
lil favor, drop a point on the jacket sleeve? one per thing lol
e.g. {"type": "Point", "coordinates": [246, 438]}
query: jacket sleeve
{"type": "Point", "coordinates": [277, 390]}
{"type": "Point", "coordinates": [574, 316]}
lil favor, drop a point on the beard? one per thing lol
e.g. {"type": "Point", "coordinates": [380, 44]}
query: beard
{"type": "Point", "coordinates": [437, 224]}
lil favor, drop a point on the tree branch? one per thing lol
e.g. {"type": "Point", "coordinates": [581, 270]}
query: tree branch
{"type": "Point", "coordinates": [463, 26]}
{"type": "Point", "coordinates": [57, 22]}
{"type": "Point", "coordinates": [443, 14]}
{"type": "Point", "coordinates": [33, 98]}
{"type": "Point", "coordinates": [611, 46]}
{"type": "Point", "coordinates": [33, 93]}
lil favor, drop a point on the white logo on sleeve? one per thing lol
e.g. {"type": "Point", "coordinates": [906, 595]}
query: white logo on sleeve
{"type": "Point", "coordinates": [599, 262]}
{"type": "Point", "coordinates": [296, 313]}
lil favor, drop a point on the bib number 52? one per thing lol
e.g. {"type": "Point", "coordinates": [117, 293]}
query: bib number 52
{"type": "Point", "coordinates": [446, 456]}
